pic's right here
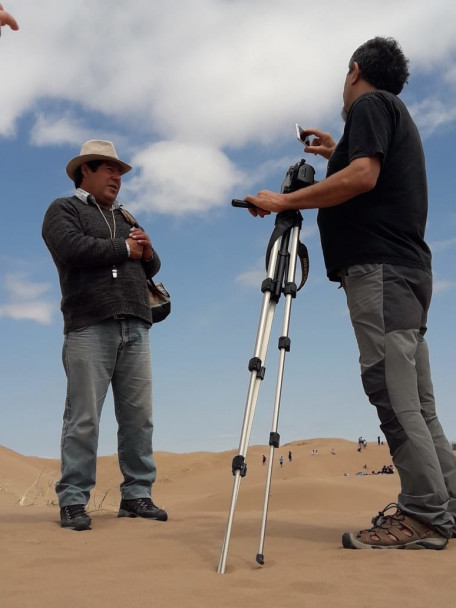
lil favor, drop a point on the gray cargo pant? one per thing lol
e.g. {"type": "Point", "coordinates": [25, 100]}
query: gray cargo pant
{"type": "Point", "coordinates": [388, 307]}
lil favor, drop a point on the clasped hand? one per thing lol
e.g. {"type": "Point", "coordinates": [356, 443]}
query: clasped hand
{"type": "Point", "coordinates": [140, 245]}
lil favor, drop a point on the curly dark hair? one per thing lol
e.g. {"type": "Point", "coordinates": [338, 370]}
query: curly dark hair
{"type": "Point", "coordinates": [382, 64]}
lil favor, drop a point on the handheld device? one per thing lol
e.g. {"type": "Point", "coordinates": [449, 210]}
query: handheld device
{"type": "Point", "coordinates": [302, 136]}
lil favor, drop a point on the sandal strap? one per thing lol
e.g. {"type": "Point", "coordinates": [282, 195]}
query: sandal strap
{"type": "Point", "coordinates": [396, 529]}
{"type": "Point", "coordinates": [380, 517]}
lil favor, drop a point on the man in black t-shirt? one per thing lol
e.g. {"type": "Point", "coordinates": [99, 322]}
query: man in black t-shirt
{"type": "Point", "coordinates": [372, 217]}
{"type": "Point", "coordinates": [385, 224]}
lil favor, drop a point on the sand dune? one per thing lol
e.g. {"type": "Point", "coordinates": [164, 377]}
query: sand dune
{"type": "Point", "coordinates": [133, 563]}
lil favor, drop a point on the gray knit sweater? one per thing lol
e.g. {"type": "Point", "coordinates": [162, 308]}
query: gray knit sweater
{"type": "Point", "coordinates": [80, 243]}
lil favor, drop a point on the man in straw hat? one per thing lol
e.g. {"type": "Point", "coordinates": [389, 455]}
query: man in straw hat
{"type": "Point", "coordinates": [103, 263]}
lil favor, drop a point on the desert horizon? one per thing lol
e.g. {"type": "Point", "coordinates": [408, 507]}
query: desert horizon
{"type": "Point", "coordinates": [328, 488]}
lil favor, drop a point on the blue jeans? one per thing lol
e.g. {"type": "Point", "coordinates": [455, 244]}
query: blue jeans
{"type": "Point", "coordinates": [112, 352]}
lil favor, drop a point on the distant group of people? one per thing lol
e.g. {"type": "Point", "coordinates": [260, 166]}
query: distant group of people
{"type": "Point", "coordinates": [314, 452]}
{"type": "Point", "coordinates": [362, 443]}
{"type": "Point", "coordinates": [290, 458]}
{"type": "Point", "coordinates": [385, 470]}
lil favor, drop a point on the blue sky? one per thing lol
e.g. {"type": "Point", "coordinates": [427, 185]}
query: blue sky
{"type": "Point", "coordinates": [201, 98]}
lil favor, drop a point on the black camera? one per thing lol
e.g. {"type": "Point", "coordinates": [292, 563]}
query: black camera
{"type": "Point", "coordinates": [298, 176]}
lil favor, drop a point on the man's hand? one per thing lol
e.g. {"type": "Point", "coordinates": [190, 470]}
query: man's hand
{"type": "Point", "coordinates": [7, 19]}
{"type": "Point", "coordinates": [136, 250]}
{"type": "Point", "coordinates": [267, 202]}
{"type": "Point", "coordinates": [322, 144]}
{"type": "Point", "coordinates": [139, 237]}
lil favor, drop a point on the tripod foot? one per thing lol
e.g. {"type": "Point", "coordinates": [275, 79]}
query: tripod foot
{"type": "Point", "coordinates": [260, 559]}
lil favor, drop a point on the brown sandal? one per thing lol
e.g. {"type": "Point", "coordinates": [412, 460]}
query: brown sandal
{"type": "Point", "coordinates": [397, 531]}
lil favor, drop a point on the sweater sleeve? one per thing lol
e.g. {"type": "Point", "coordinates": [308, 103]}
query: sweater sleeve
{"type": "Point", "coordinates": [151, 268]}
{"type": "Point", "coordinates": [65, 238]}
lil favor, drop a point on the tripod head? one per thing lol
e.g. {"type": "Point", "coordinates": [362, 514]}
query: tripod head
{"type": "Point", "coordinates": [298, 176]}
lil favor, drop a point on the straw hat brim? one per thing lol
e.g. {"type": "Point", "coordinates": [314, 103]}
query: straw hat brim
{"type": "Point", "coordinates": [77, 161]}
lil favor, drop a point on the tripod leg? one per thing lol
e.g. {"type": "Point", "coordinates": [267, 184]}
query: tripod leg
{"type": "Point", "coordinates": [256, 367]}
{"type": "Point", "coordinates": [239, 464]}
{"type": "Point", "coordinates": [284, 346]}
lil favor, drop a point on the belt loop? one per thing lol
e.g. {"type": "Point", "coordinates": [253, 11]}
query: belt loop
{"type": "Point", "coordinates": [343, 272]}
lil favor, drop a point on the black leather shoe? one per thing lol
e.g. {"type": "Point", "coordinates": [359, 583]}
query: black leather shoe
{"type": "Point", "coordinates": [141, 507]}
{"type": "Point", "coordinates": [75, 517]}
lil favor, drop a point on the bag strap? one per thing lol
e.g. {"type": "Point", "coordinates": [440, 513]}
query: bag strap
{"type": "Point", "coordinates": [129, 218]}
{"type": "Point", "coordinates": [286, 221]}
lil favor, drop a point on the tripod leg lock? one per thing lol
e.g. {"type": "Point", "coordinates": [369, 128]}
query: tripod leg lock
{"type": "Point", "coordinates": [274, 287]}
{"type": "Point", "coordinates": [255, 366]}
{"type": "Point", "coordinates": [274, 439]}
{"type": "Point", "coordinates": [239, 464]}
{"type": "Point", "coordinates": [285, 343]}
{"type": "Point", "coordinates": [267, 285]}
{"type": "Point", "coordinates": [290, 288]}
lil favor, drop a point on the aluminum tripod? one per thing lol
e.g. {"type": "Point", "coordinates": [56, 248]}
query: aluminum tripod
{"type": "Point", "coordinates": [283, 252]}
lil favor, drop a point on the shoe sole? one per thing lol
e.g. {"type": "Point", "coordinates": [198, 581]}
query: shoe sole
{"type": "Point", "coordinates": [78, 527]}
{"type": "Point", "coordinates": [123, 513]}
{"type": "Point", "coordinates": [350, 542]}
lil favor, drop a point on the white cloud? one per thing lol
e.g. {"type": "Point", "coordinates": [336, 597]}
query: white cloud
{"type": "Point", "coordinates": [24, 301]}
{"type": "Point", "coordinates": [55, 130]}
{"type": "Point", "coordinates": [175, 177]}
{"type": "Point", "coordinates": [443, 286]}
{"type": "Point", "coordinates": [19, 288]}
{"type": "Point", "coordinates": [186, 85]}
{"type": "Point", "coordinates": [41, 312]}
{"type": "Point", "coordinates": [253, 277]}
{"type": "Point", "coordinates": [442, 245]}
{"type": "Point", "coordinates": [433, 114]}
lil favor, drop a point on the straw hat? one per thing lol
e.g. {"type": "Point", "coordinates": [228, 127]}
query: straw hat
{"type": "Point", "coordinates": [95, 149]}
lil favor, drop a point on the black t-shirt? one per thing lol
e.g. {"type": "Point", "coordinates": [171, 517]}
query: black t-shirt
{"type": "Point", "coordinates": [387, 224]}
